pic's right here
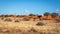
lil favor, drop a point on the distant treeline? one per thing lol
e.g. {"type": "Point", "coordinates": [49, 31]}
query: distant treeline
{"type": "Point", "coordinates": [45, 14]}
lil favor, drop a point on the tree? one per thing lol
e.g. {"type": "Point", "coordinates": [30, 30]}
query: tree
{"type": "Point", "coordinates": [32, 14]}
{"type": "Point", "coordinates": [17, 15]}
{"type": "Point", "coordinates": [46, 13]}
{"type": "Point", "coordinates": [6, 15]}
{"type": "Point", "coordinates": [54, 15]}
{"type": "Point", "coordinates": [2, 15]}
{"type": "Point", "coordinates": [39, 16]}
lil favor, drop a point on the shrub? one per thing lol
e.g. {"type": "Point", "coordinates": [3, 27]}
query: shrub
{"type": "Point", "coordinates": [58, 20]}
{"type": "Point", "coordinates": [7, 19]}
{"type": "Point", "coordinates": [32, 30]}
{"type": "Point", "coordinates": [41, 33]}
{"type": "Point", "coordinates": [2, 18]}
{"type": "Point", "coordinates": [6, 15]}
{"type": "Point", "coordinates": [16, 20]}
{"type": "Point", "coordinates": [26, 19]}
{"type": "Point", "coordinates": [40, 24]}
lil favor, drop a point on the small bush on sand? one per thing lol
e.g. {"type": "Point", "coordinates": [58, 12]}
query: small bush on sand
{"type": "Point", "coordinates": [58, 20]}
{"type": "Point", "coordinates": [26, 19]}
{"type": "Point", "coordinates": [8, 19]}
{"type": "Point", "coordinates": [32, 30]}
{"type": "Point", "coordinates": [2, 18]}
{"type": "Point", "coordinates": [40, 24]}
{"type": "Point", "coordinates": [16, 20]}
{"type": "Point", "coordinates": [42, 33]}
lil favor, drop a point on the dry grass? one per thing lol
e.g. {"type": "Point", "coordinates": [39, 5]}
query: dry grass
{"type": "Point", "coordinates": [29, 27]}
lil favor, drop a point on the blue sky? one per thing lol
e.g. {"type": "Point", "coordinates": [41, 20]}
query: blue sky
{"type": "Point", "coordinates": [22, 7]}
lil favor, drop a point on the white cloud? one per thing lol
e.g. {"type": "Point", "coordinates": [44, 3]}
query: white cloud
{"type": "Point", "coordinates": [57, 10]}
{"type": "Point", "coordinates": [27, 12]}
